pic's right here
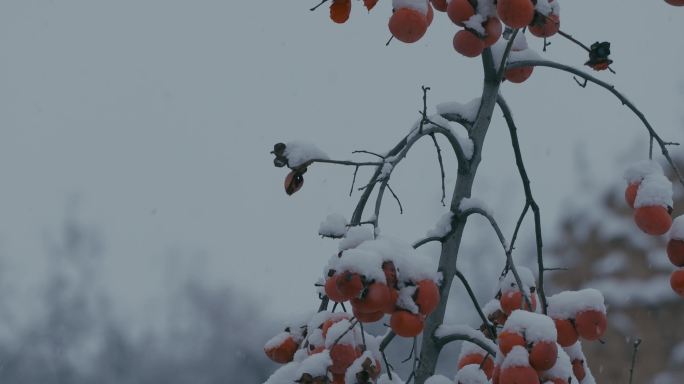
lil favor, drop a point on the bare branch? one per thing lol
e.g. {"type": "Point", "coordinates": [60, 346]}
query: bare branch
{"type": "Point", "coordinates": [610, 88]}
{"type": "Point", "coordinates": [465, 337]}
{"type": "Point", "coordinates": [478, 308]}
{"type": "Point", "coordinates": [401, 209]}
{"type": "Point", "coordinates": [513, 130]}
{"type": "Point", "coordinates": [426, 240]}
{"type": "Point", "coordinates": [319, 4]}
{"type": "Point", "coordinates": [441, 166]}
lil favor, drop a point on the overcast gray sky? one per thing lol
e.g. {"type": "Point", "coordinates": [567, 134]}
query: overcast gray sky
{"type": "Point", "coordinates": [157, 117]}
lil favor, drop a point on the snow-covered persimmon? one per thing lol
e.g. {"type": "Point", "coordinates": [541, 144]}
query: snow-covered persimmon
{"type": "Point", "coordinates": [282, 349]}
{"type": "Point", "coordinates": [567, 334]}
{"type": "Point", "coordinates": [468, 44]}
{"type": "Point", "coordinates": [512, 300]}
{"type": "Point", "coordinates": [486, 362]}
{"type": "Point", "coordinates": [440, 5]}
{"type": "Point", "coordinates": [340, 11]}
{"type": "Point", "coordinates": [631, 192]}
{"type": "Point", "coordinates": [515, 13]}
{"type": "Point", "coordinates": [426, 296]}
{"type": "Point", "coordinates": [677, 281]}
{"type": "Point", "coordinates": [508, 340]}
{"type": "Point", "coordinates": [676, 3]}
{"type": "Point", "coordinates": [342, 356]}
{"type": "Point", "coordinates": [331, 290]}
{"type": "Point", "coordinates": [406, 324]}
{"type": "Point", "coordinates": [493, 30]}
{"type": "Point", "coordinates": [591, 324]}
{"type": "Point", "coordinates": [349, 284]}
{"type": "Point", "coordinates": [459, 11]}
{"type": "Point", "coordinates": [654, 220]}
{"type": "Point", "coordinates": [373, 299]}
{"type": "Point", "coordinates": [518, 375]}
{"type": "Point", "coordinates": [546, 27]}
{"type": "Point", "coordinates": [408, 25]}
{"type": "Point", "coordinates": [543, 355]}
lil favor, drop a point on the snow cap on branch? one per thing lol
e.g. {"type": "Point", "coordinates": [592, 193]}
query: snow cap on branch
{"type": "Point", "coordinates": [466, 111]}
{"type": "Point", "coordinates": [301, 152]}
{"type": "Point", "coordinates": [443, 226]}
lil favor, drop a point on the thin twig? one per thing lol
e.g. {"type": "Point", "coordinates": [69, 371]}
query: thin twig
{"type": "Point", "coordinates": [610, 88]}
{"type": "Point", "coordinates": [426, 240]}
{"type": "Point", "coordinates": [529, 198]}
{"type": "Point", "coordinates": [356, 170]}
{"type": "Point", "coordinates": [478, 308]}
{"type": "Point", "coordinates": [441, 166]}
{"type": "Point", "coordinates": [401, 209]}
{"type": "Point", "coordinates": [369, 153]}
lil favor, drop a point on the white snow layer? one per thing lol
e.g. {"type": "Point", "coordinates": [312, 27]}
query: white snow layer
{"type": "Point", "coordinates": [301, 152]}
{"type": "Point", "coordinates": [517, 357]}
{"type": "Point", "coordinates": [637, 171]}
{"type": "Point", "coordinates": [334, 225]}
{"type": "Point", "coordinates": [677, 230]}
{"type": "Point", "coordinates": [566, 304]}
{"type": "Point", "coordinates": [438, 379]}
{"type": "Point", "coordinates": [462, 329]}
{"type": "Point", "coordinates": [547, 7]}
{"type": "Point", "coordinates": [355, 236]}
{"type": "Point", "coordinates": [471, 374]}
{"type": "Point", "coordinates": [277, 340]}
{"type": "Point", "coordinates": [475, 23]}
{"type": "Point", "coordinates": [473, 202]}
{"type": "Point", "coordinates": [443, 226]}
{"type": "Point", "coordinates": [655, 189]}
{"type": "Point", "coordinates": [508, 283]}
{"type": "Point", "coordinates": [466, 111]}
{"type": "Point", "coordinates": [534, 326]}
{"type": "Point", "coordinates": [315, 365]}
{"type": "Point", "coordinates": [419, 5]}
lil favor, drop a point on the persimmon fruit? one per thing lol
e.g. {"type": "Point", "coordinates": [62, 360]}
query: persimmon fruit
{"type": "Point", "coordinates": [468, 44]}
{"type": "Point", "coordinates": [406, 324]}
{"type": "Point", "coordinates": [515, 13]}
{"type": "Point", "coordinates": [591, 324]}
{"type": "Point", "coordinates": [675, 252]}
{"type": "Point", "coordinates": [654, 220]}
{"type": "Point", "coordinates": [567, 334]}
{"type": "Point", "coordinates": [408, 25]}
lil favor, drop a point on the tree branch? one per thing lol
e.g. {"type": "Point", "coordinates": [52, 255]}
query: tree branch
{"type": "Point", "coordinates": [610, 88]}
{"type": "Point", "coordinates": [529, 199]}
